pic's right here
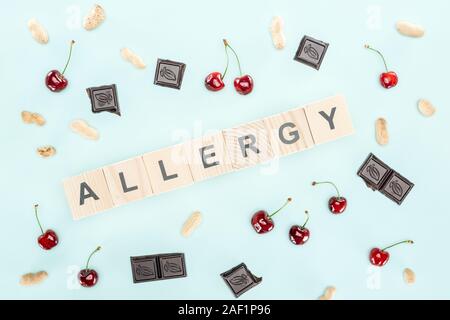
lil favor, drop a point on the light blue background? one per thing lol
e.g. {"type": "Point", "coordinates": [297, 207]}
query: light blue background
{"type": "Point", "coordinates": [192, 32]}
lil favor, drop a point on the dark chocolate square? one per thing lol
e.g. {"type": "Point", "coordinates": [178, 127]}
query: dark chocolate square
{"type": "Point", "coordinates": [374, 172]}
{"type": "Point", "coordinates": [158, 267]}
{"type": "Point", "coordinates": [397, 187]}
{"type": "Point", "coordinates": [172, 266]}
{"type": "Point", "coordinates": [169, 73]}
{"type": "Point", "coordinates": [240, 279]}
{"type": "Point", "coordinates": [311, 52]}
{"type": "Point", "coordinates": [144, 268]}
{"type": "Point", "coordinates": [104, 98]}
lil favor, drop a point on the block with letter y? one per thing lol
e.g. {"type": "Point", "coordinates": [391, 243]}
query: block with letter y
{"type": "Point", "coordinates": [329, 119]}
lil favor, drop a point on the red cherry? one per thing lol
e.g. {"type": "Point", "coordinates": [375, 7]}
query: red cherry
{"type": "Point", "coordinates": [379, 257]}
{"type": "Point", "coordinates": [299, 234]}
{"type": "Point", "coordinates": [388, 79]}
{"type": "Point", "coordinates": [47, 239]}
{"type": "Point", "coordinates": [55, 80]}
{"type": "Point", "coordinates": [244, 84]}
{"type": "Point", "coordinates": [214, 81]}
{"type": "Point", "coordinates": [88, 277]}
{"type": "Point", "coordinates": [336, 204]}
{"type": "Point", "coordinates": [262, 222]}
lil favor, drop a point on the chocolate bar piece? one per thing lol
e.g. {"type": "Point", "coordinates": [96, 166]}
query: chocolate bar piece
{"type": "Point", "coordinates": [379, 176]}
{"type": "Point", "coordinates": [158, 267]}
{"type": "Point", "coordinates": [397, 187]}
{"type": "Point", "coordinates": [240, 279]}
{"type": "Point", "coordinates": [311, 52]}
{"type": "Point", "coordinates": [169, 73]}
{"type": "Point", "coordinates": [104, 98]}
{"type": "Point", "coordinates": [374, 172]}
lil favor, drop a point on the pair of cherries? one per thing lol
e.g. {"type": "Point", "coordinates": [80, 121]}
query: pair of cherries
{"type": "Point", "coordinates": [243, 84]}
{"type": "Point", "coordinates": [262, 223]}
{"type": "Point", "coordinates": [49, 239]}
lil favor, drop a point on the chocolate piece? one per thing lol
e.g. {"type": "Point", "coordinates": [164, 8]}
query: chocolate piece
{"type": "Point", "coordinates": [158, 267]}
{"type": "Point", "coordinates": [374, 172]}
{"type": "Point", "coordinates": [169, 73]}
{"type": "Point", "coordinates": [172, 265]}
{"type": "Point", "coordinates": [311, 52]}
{"type": "Point", "coordinates": [397, 187]}
{"type": "Point", "coordinates": [379, 176]}
{"type": "Point", "coordinates": [104, 98]}
{"type": "Point", "coordinates": [144, 268]}
{"type": "Point", "coordinates": [240, 279]}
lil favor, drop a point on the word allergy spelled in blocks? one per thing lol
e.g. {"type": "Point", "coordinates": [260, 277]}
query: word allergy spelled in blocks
{"type": "Point", "coordinates": [212, 155]}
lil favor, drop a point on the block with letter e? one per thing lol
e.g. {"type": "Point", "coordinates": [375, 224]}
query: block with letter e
{"type": "Point", "coordinates": [208, 156]}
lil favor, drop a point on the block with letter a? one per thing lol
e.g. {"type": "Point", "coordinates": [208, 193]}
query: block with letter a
{"type": "Point", "coordinates": [87, 194]}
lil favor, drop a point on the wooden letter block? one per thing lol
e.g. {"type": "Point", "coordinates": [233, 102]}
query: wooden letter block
{"type": "Point", "coordinates": [208, 157]}
{"type": "Point", "coordinates": [329, 119]}
{"type": "Point", "coordinates": [128, 181]}
{"type": "Point", "coordinates": [168, 168]}
{"type": "Point", "coordinates": [87, 194]}
{"type": "Point", "coordinates": [248, 144]}
{"type": "Point", "coordinates": [289, 132]}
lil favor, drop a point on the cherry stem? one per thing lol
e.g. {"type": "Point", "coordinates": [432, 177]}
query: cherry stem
{"type": "Point", "coordinates": [328, 182]}
{"type": "Point", "coordinates": [307, 218]}
{"type": "Point", "coordinates": [380, 54]}
{"type": "Point", "coordinates": [70, 55]}
{"type": "Point", "coordinates": [235, 54]}
{"type": "Point", "coordinates": [284, 205]}
{"type": "Point", "coordinates": [405, 241]}
{"type": "Point", "coordinates": [90, 256]}
{"type": "Point", "coordinates": [37, 217]}
{"type": "Point", "coordinates": [228, 58]}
